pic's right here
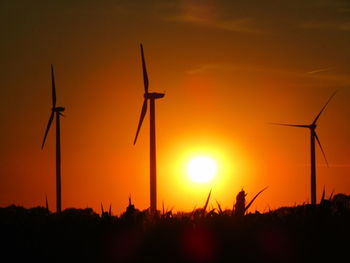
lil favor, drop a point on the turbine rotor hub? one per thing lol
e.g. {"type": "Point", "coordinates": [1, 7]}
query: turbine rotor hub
{"type": "Point", "coordinates": [154, 95]}
{"type": "Point", "coordinates": [58, 109]}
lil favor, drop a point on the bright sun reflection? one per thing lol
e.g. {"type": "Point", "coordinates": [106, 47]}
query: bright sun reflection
{"type": "Point", "coordinates": [201, 169]}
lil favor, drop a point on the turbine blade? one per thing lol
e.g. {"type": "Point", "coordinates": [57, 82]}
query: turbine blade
{"type": "Point", "coordinates": [291, 125]}
{"type": "Point", "coordinates": [142, 116]}
{"type": "Point", "coordinates": [48, 128]}
{"type": "Point", "coordinates": [315, 120]}
{"type": "Point", "coordinates": [319, 143]}
{"type": "Point", "coordinates": [145, 76]}
{"type": "Point", "coordinates": [53, 88]}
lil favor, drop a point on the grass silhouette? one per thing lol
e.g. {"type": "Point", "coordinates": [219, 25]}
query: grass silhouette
{"type": "Point", "coordinates": [287, 234]}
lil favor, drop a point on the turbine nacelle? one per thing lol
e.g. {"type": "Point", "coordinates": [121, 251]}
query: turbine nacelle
{"type": "Point", "coordinates": [153, 95]}
{"type": "Point", "coordinates": [313, 126]}
{"type": "Point", "coordinates": [58, 109]}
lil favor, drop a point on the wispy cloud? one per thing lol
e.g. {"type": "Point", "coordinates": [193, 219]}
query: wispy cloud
{"type": "Point", "coordinates": [319, 70]}
{"type": "Point", "coordinates": [326, 25]}
{"type": "Point", "coordinates": [339, 79]}
{"type": "Point", "coordinates": [328, 74]}
{"type": "Point", "coordinates": [211, 14]}
{"type": "Point", "coordinates": [244, 25]}
{"type": "Point", "coordinates": [239, 67]}
{"type": "Point", "coordinates": [239, 16]}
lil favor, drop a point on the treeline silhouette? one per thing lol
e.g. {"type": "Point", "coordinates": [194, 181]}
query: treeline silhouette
{"type": "Point", "coordinates": [288, 234]}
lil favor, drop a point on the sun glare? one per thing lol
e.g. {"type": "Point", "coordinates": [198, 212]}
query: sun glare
{"type": "Point", "coordinates": [201, 169]}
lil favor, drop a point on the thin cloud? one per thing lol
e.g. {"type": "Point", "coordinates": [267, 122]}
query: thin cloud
{"type": "Point", "coordinates": [243, 25]}
{"type": "Point", "coordinates": [327, 25]}
{"type": "Point", "coordinates": [211, 15]}
{"type": "Point", "coordinates": [319, 70]}
{"type": "Point", "coordinates": [239, 67]}
{"type": "Point", "coordinates": [338, 79]}
{"type": "Point", "coordinates": [327, 76]}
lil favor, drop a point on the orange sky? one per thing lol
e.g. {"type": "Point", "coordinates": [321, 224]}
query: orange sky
{"type": "Point", "coordinates": [227, 71]}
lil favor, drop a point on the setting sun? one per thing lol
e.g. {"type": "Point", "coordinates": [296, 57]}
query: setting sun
{"type": "Point", "coordinates": [201, 169]}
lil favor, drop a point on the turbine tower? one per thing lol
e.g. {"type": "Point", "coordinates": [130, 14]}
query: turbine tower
{"type": "Point", "coordinates": [56, 110]}
{"type": "Point", "coordinates": [313, 137]}
{"type": "Point", "coordinates": [153, 170]}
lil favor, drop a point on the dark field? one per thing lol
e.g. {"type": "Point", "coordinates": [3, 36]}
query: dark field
{"type": "Point", "coordinates": [289, 234]}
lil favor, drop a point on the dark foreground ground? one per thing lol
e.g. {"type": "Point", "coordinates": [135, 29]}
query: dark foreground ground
{"type": "Point", "coordinates": [290, 234]}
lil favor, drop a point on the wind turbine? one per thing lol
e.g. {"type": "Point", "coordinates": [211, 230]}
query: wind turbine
{"type": "Point", "coordinates": [151, 97]}
{"type": "Point", "coordinates": [56, 110]}
{"type": "Point", "coordinates": [313, 137]}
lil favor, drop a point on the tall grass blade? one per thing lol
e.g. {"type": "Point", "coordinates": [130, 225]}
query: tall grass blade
{"type": "Point", "coordinates": [331, 196]}
{"type": "Point", "coordinates": [206, 204]}
{"type": "Point", "coordinates": [251, 202]}
{"type": "Point", "coordinates": [102, 210]}
{"type": "Point", "coordinates": [219, 206]}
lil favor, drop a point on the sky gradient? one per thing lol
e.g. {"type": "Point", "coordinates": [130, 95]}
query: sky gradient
{"type": "Point", "coordinates": [228, 69]}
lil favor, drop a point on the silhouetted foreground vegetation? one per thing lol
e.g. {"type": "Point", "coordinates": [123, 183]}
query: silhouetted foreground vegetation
{"type": "Point", "coordinates": [288, 234]}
